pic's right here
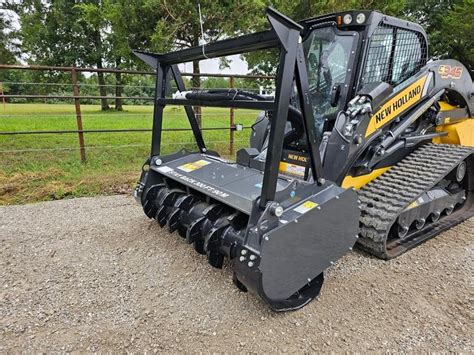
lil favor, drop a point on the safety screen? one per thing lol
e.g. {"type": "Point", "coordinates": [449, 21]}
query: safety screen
{"type": "Point", "coordinates": [394, 55]}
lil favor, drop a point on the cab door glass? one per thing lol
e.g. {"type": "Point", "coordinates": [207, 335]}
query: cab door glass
{"type": "Point", "coordinates": [327, 55]}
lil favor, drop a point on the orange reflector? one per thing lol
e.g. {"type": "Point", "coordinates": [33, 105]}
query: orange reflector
{"type": "Point", "coordinates": [339, 20]}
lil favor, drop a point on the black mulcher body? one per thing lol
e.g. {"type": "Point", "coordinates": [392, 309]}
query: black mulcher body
{"type": "Point", "coordinates": [364, 141]}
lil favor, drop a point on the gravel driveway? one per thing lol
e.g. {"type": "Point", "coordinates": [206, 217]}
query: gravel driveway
{"type": "Point", "coordinates": [94, 274]}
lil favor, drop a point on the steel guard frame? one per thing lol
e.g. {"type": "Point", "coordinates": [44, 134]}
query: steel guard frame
{"type": "Point", "coordinates": [285, 34]}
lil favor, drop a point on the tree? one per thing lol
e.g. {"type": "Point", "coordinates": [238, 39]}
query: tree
{"type": "Point", "coordinates": [449, 26]}
{"type": "Point", "coordinates": [117, 27]}
{"type": "Point", "coordinates": [7, 46]}
{"type": "Point", "coordinates": [178, 25]}
{"type": "Point", "coordinates": [132, 26]}
{"type": "Point", "coordinates": [93, 22]}
{"type": "Point", "coordinates": [265, 62]}
{"type": "Point", "coordinates": [59, 33]}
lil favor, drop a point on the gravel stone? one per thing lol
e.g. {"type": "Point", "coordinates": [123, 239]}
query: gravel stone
{"type": "Point", "coordinates": [94, 274]}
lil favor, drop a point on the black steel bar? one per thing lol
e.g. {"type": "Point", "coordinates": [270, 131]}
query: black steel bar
{"type": "Point", "coordinates": [142, 72]}
{"type": "Point", "coordinates": [231, 120]}
{"type": "Point", "coordinates": [248, 104]}
{"type": "Point", "coordinates": [289, 33]}
{"type": "Point", "coordinates": [219, 75]}
{"type": "Point", "coordinates": [243, 44]}
{"type": "Point", "coordinates": [189, 110]}
{"type": "Point", "coordinates": [160, 92]}
{"type": "Point", "coordinates": [307, 111]}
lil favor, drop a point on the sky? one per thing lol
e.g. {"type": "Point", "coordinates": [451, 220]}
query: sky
{"type": "Point", "coordinates": [237, 66]}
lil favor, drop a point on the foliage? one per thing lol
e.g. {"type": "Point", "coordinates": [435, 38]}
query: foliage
{"type": "Point", "coordinates": [265, 62]}
{"type": "Point", "coordinates": [104, 32]}
{"type": "Point", "coordinates": [7, 46]}
{"type": "Point", "coordinates": [178, 24]}
{"type": "Point", "coordinates": [215, 83]}
{"type": "Point", "coordinates": [449, 26]}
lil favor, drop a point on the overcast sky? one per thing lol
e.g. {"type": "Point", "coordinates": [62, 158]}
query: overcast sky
{"type": "Point", "coordinates": [237, 66]}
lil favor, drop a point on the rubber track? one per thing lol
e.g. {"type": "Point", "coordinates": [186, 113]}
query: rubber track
{"type": "Point", "coordinates": [384, 198]}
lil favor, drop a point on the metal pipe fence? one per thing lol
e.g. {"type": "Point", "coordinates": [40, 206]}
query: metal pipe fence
{"type": "Point", "coordinates": [77, 100]}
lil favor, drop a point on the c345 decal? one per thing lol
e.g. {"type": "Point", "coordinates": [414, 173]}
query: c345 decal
{"type": "Point", "coordinates": [449, 72]}
{"type": "Point", "coordinates": [397, 105]}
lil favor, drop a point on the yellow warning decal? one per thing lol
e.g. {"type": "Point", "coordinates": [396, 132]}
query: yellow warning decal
{"type": "Point", "coordinates": [292, 169]}
{"type": "Point", "coordinates": [412, 205]}
{"type": "Point", "coordinates": [187, 168]}
{"type": "Point", "coordinates": [397, 105]}
{"type": "Point", "coordinates": [305, 207]}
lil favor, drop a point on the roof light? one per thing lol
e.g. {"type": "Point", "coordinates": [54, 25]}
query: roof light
{"type": "Point", "coordinates": [360, 19]}
{"type": "Point", "coordinates": [347, 19]}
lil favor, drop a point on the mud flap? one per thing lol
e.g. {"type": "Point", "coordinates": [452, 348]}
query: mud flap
{"type": "Point", "coordinates": [297, 252]}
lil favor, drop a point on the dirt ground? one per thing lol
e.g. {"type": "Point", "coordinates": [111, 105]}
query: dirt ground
{"type": "Point", "coordinates": [94, 274]}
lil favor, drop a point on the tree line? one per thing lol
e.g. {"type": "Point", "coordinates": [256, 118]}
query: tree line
{"type": "Point", "coordinates": [103, 33]}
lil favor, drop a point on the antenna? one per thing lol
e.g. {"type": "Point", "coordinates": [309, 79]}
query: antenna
{"type": "Point", "coordinates": [202, 42]}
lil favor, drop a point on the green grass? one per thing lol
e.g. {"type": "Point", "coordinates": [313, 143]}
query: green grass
{"type": "Point", "coordinates": [47, 166]}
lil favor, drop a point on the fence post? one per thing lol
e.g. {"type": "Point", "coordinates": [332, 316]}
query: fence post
{"type": "Point", "coordinates": [77, 104]}
{"type": "Point", "coordinates": [3, 96]}
{"type": "Point", "coordinates": [231, 120]}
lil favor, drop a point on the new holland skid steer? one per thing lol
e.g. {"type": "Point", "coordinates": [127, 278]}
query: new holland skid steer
{"type": "Point", "coordinates": [364, 141]}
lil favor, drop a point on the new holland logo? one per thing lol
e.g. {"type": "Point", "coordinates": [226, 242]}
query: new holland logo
{"type": "Point", "coordinates": [396, 105]}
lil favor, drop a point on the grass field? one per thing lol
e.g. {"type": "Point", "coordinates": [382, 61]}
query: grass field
{"type": "Point", "coordinates": [47, 166]}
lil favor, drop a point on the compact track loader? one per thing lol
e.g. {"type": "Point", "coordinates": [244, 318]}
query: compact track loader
{"type": "Point", "coordinates": [364, 142]}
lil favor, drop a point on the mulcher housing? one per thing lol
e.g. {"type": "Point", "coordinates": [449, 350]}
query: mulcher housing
{"type": "Point", "coordinates": [263, 222]}
{"type": "Point", "coordinates": [287, 208]}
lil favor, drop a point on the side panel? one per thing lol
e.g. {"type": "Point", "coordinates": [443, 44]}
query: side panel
{"type": "Point", "coordinates": [461, 133]}
{"type": "Point", "coordinates": [398, 104]}
{"type": "Point", "coordinates": [311, 240]}
{"type": "Point", "coordinates": [359, 181]}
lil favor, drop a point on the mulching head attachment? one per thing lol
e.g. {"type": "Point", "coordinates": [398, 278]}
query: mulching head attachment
{"type": "Point", "coordinates": [279, 232]}
{"type": "Point", "coordinates": [279, 252]}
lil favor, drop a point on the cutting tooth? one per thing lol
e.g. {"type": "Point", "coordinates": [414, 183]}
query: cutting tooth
{"type": "Point", "coordinates": [212, 243]}
{"type": "Point", "coordinates": [238, 220]}
{"type": "Point", "coordinates": [173, 219]}
{"type": "Point", "coordinates": [213, 240]}
{"type": "Point", "coordinates": [161, 215]}
{"type": "Point", "coordinates": [202, 226]}
{"type": "Point", "coordinates": [190, 216]}
{"type": "Point", "coordinates": [194, 230]}
{"type": "Point", "coordinates": [182, 230]}
{"type": "Point", "coordinates": [212, 236]}
{"type": "Point", "coordinates": [183, 203]}
{"type": "Point", "coordinates": [166, 200]}
{"type": "Point", "coordinates": [149, 205]}
{"type": "Point", "coordinates": [216, 259]}
{"type": "Point", "coordinates": [199, 246]}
